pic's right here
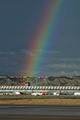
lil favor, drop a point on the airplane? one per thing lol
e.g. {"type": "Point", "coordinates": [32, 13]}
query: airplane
{"type": "Point", "coordinates": [76, 93]}
{"type": "Point", "coordinates": [38, 93]}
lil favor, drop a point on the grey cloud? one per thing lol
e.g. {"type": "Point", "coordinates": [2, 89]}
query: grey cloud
{"type": "Point", "coordinates": [70, 59]}
{"type": "Point", "coordinates": [27, 52]}
{"type": "Point", "coordinates": [32, 52]}
{"type": "Point", "coordinates": [64, 73]}
{"type": "Point", "coordinates": [51, 52]}
{"type": "Point", "coordinates": [64, 66]}
{"type": "Point", "coordinates": [7, 53]}
{"type": "Point", "coordinates": [61, 73]}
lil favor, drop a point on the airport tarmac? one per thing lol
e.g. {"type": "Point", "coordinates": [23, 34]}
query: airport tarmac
{"type": "Point", "coordinates": [35, 117]}
{"type": "Point", "coordinates": [29, 112]}
{"type": "Point", "coordinates": [40, 110]}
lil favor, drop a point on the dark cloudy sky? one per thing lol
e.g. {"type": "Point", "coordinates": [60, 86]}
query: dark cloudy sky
{"type": "Point", "coordinates": [18, 21]}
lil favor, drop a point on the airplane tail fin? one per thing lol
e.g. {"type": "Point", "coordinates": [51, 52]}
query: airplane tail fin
{"type": "Point", "coordinates": [44, 93]}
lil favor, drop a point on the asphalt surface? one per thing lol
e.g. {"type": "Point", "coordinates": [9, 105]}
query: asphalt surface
{"type": "Point", "coordinates": [16, 112]}
{"type": "Point", "coordinates": [39, 110]}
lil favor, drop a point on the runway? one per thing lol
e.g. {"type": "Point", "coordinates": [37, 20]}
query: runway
{"type": "Point", "coordinates": [29, 112]}
{"type": "Point", "coordinates": [39, 110]}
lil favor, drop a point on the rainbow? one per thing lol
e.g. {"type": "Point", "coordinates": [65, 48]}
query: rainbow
{"type": "Point", "coordinates": [46, 28]}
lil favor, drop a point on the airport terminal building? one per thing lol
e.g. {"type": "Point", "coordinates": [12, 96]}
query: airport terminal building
{"type": "Point", "coordinates": [49, 89]}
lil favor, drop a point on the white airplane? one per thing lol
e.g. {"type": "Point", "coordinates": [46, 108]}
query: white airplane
{"type": "Point", "coordinates": [37, 94]}
{"type": "Point", "coordinates": [77, 93]}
